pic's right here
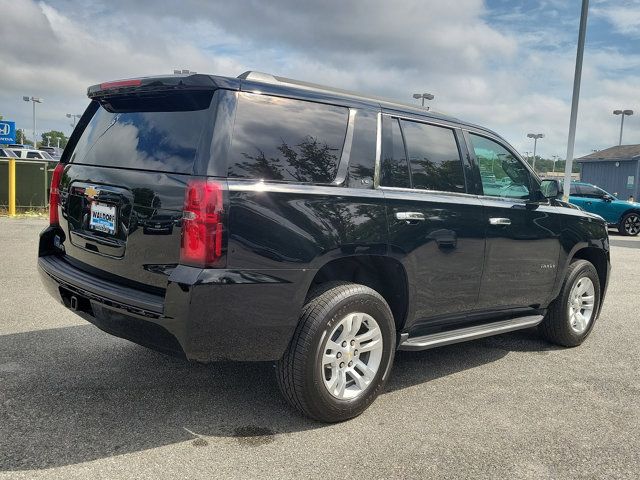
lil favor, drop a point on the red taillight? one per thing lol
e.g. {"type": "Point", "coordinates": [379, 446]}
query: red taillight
{"type": "Point", "coordinates": [136, 82]}
{"type": "Point", "coordinates": [202, 222]}
{"type": "Point", "coordinates": [54, 195]}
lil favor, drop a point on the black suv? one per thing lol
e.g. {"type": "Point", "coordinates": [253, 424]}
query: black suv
{"type": "Point", "coordinates": [262, 218]}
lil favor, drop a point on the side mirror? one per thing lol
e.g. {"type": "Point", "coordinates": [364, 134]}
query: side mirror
{"type": "Point", "coordinates": [607, 198]}
{"type": "Point", "coordinates": [549, 188]}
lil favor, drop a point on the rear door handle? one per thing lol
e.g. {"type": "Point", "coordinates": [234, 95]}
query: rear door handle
{"type": "Point", "coordinates": [499, 221]}
{"type": "Point", "coordinates": [410, 216]}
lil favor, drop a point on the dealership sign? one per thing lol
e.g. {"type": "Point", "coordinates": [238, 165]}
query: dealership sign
{"type": "Point", "coordinates": [7, 132]}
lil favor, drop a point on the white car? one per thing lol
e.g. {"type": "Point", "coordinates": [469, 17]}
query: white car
{"type": "Point", "coordinates": [30, 154]}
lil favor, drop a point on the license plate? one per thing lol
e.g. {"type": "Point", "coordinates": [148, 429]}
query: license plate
{"type": "Point", "coordinates": [103, 218]}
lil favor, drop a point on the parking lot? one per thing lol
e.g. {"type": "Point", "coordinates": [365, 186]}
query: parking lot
{"type": "Point", "coordinates": [78, 403]}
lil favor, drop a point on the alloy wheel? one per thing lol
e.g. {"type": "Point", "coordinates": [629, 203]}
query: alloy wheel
{"type": "Point", "coordinates": [581, 304]}
{"type": "Point", "coordinates": [351, 355]}
{"type": "Point", "coordinates": [632, 224]}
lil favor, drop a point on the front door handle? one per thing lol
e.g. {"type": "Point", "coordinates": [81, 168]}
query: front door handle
{"type": "Point", "coordinates": [410, 216]}
{"type": "Point", "coordinates": [499, 221]}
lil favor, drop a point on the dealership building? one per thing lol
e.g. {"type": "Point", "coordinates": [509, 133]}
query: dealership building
{"type": "Point", "coordinates": [614, 169]}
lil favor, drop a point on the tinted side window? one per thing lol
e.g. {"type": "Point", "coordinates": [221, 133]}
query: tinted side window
{"type": "Point", "coordinates": [573, 190]}
{"type": "Point", "coordinates": [394, 168]}
{"type": "Point", "coordinates": [33, 155]}
{"type": "Point", "coordinates": [363, 150]}
{"type": "Point", "coordinates": [434, 157]}
{"type": "Point", "coordinates": [289, 140]}
{"type": "Point", "coordinates": [590, 191]}
{"type": "Point", "coordinates": [502, 174]}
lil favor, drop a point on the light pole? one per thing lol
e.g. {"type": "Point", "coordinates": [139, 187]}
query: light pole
{"type": "Point", "coordinates": [555, 159]}
{"type": "Point", "coordinates": [423, 96]}
{"type": "Point", "coordinates": [58, 139]}
{"type": "Point", "coordinates": [575, 97]}
{"type": "Point", "coordinates": [535, 137]}
{"type": "Point", "coordinates": [526, 154]}
{"type": "Point", "coordinates": [48, 137]}
{"type": "Point", "coordinates": [628, 113]}
{"type": "Point", "coordinates": [73, 116]}
{"type": "Point", "coordinates": [34, 100]}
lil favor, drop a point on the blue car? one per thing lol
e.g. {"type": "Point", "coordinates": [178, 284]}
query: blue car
{"type": "Point", "coordinates": [622, 214]}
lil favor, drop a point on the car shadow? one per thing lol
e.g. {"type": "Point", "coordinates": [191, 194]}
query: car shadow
{"type": "Point", "coordinates": [74, 394]}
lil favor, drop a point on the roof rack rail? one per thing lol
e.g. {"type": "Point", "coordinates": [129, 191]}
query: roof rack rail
{"type": "Point", "coordinates": [269, 78]}
{"type": "Point", "coordinates": [258, 76]}
{"type": "Point", "coordinates": [255, 76]}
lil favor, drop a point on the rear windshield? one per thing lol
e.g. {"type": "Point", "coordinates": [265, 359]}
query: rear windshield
{"type": "Point", "coordinates": [159, 132]}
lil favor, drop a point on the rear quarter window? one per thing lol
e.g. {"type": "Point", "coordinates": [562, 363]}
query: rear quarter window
{"type": "Point", "coordinates": [286, 140]}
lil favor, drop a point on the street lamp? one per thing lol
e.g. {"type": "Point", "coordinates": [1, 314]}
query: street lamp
{"type": "Point", "coordinates": [628, 113]}
{"type": "Point", "coordinates": [58, 139]}
{"type": "Point", "coordinates": [535, 137]}
{"type": "Point", "coordinates": [423, 96]}
{"type": "Point", "coordinates": [48, 137]}
{"type": "Point", "coordinates": [555, 159]}
{"type": "Point", "coordinates": [74, 116]}
{"type": "Point", "coordinates": [34, 100]}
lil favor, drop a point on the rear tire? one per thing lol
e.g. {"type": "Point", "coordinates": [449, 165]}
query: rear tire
{"type": "Point", "coordinates": [630, 224]}
{"type": "Point", "coordinates": [572, 314]}
{"type": "Point", "coordinates": [322, 373]}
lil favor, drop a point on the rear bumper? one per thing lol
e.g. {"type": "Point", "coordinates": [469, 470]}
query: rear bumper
{"type": "Point", "coordinates": [205, 315]}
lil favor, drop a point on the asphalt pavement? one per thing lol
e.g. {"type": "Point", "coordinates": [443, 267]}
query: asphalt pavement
{"type": "Point", "coordinates": [78, 403]}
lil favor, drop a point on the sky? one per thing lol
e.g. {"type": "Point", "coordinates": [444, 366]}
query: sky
{"type": "Point", "coordinates": [504, 64]}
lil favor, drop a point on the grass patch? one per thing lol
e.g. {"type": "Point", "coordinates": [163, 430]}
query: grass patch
{"type": "Point", "coordinates": [25, 212]}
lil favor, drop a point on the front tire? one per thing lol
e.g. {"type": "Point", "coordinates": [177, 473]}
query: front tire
{"type": "Point", "coordinates": [630, 224]}
{"type": "Point", "coordinates": [572, 314]}
{"type": "Point", "coordinates": [341, 353]}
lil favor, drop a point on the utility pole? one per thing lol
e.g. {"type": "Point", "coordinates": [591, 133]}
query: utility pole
{"type": "Point", "coordinates": [628, 113]}
{"type": "Point", "coordinates": [34, 100]}
{"type": "Point", "coordinates": [535, 137]}
{"type": "Point", "coordinates": [568, 166]}
{"type": "Point", "coordinates": [423, 96]}
{"type": "Point", "coordinates": [74, 117]}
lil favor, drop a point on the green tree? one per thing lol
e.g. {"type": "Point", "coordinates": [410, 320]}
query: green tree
{"type": "Point", "coordinates": [544, 165]}
{"type": "Point", "coordinates": [21, 137]}
{"type": "Point", "coordinates": [54, 135]}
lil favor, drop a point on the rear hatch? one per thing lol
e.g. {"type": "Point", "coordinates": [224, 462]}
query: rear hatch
{"type": "Point", "coordinates": [123, 190]}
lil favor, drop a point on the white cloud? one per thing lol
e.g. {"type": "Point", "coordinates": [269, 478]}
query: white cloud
{"type": "Point", "coordinates": [484, 68]}
{"type": "Point", "coordinates": [624, 16]}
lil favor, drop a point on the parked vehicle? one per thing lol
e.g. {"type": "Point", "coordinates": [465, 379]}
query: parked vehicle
{"type": "Point", "coordinates": [30, 154]}
{"type": "Point", "coordinates": [6, 153]}
{"type": "Point", "coordinates": [319, 229]}
{"type": "Point", "coordinates": [621, 214]}
{"type": "Point", "coordinates": [55, 152]}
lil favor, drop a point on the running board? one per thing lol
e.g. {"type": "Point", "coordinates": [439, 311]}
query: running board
{"type": "Point", "coordinates": [469, 333]}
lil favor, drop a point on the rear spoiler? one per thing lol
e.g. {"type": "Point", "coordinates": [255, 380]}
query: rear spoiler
{"type": "Point", "coordinates": [152, 84]}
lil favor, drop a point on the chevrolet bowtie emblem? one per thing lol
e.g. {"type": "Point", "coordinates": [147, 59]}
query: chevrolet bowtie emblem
{"type": "Point", "coordinates": [91, 192]}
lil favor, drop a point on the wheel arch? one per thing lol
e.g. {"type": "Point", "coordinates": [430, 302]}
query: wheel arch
{"type": "Point", "coordinates": [627, 212]}
{"type": "Point", "coordinates": [382, 273]}
{"type": "Point", "coordinates": [599, 258]}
